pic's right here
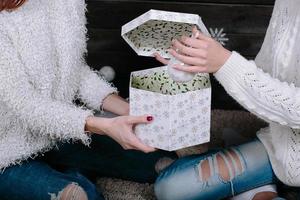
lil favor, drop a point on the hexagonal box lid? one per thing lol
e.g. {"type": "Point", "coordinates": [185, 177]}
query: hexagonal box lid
{"type": "Point", "coordinates": [154, 30]}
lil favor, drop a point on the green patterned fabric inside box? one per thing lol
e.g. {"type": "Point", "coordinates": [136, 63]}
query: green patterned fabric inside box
{"type": "Point", "coordinates": [160, 82]}
{"type": "Point", "coordinates": [158, 35]}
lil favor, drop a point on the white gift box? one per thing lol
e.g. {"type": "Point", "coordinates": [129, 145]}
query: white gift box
{"type": "Point", "coordinates": [181, 111]}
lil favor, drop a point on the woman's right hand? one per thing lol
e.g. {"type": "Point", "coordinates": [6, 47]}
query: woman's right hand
{"type": "Point", "coordinates": [121, 129]}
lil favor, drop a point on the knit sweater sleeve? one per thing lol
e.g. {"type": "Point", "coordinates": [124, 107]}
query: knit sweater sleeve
{"type": "Point", "coordinates": [40, 115]}
{"type": "Point", "coordinates": [267, 97]}
{"type": "Point", "coordinates": [93, 88]}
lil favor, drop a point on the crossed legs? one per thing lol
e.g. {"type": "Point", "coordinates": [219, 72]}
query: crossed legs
{"type": "Point", "coordinates": [217, 174]}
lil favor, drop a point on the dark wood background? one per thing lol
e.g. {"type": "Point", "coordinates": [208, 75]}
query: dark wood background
{"type": "Point", "coordinates": [244, 21]}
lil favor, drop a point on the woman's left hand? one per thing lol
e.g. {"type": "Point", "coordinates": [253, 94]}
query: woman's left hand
{"type": "Point", "coordinates": [203, 54]}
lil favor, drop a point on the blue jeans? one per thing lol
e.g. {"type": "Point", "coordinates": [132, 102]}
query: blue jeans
{"type": "Point", "coordinates": [46, 176]}
{"type": "Point", "coordinates": [248, 167]}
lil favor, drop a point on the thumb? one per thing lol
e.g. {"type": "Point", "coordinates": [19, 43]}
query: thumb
{"type": "Point", "coordinates": [140, 119]}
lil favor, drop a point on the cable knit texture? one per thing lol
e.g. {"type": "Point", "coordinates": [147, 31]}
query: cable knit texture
{"type": "Point", "coordinates": [270, 88]}
{"type": "Point", "coordinates": [42, 72]}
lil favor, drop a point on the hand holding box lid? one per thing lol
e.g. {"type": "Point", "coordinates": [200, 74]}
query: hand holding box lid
{"type": "Point", "coordinates": [154, 31]}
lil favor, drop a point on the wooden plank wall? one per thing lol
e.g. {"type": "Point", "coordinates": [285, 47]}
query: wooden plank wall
{"type": "Point", "coordinates": [244, 21]}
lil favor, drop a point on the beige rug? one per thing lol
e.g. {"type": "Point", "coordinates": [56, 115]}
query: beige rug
{"type": "Point", "coordinates": [238, 123]}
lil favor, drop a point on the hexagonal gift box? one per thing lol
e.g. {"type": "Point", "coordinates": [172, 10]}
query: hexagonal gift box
{"type": "Point", "coordinates": [181, 111]}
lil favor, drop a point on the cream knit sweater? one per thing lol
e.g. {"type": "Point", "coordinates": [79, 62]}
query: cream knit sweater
{"type": "Point", "coordinates": [270, 88]}
{"type": "Point", "coordinates": [42, 70]}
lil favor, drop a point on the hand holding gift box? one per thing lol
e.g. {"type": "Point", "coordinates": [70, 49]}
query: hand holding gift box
{"type": "Point", "coordinates": [181, 110]}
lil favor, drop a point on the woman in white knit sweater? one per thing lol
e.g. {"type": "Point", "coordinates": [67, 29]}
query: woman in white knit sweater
{"type": "Point", "coordinates": [269, 88]}
{"type": "Point", "coordinates": [42, 72]}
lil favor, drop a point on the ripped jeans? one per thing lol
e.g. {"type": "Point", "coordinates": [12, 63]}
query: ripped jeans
{"type": "Point", "coordinates": [244, 167]}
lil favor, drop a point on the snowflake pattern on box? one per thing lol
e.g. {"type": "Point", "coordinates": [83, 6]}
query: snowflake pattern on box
{"type": "Point", "coordinates": [182, 119]}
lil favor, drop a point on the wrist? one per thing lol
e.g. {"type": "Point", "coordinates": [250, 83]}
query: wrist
{"type": "Point", "coordinates": [107, 100]}
{"type": "Point", "coordinates": [89, 124]}
{"type": "Point", "coordinates": [116, 104]}
{"type": "Point", "coordinates": [126, 108]}
{"type": "Point", "coordinates": [97, 125]}
{"type": "Point", "coordinates": [225, 56]}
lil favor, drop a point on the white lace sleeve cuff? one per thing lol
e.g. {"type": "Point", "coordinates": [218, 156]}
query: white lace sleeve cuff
{"type": "Point", "coordinates": [232, 69]}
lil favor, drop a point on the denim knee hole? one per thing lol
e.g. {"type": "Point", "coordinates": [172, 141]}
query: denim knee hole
{"type": "Point", "coordinates": [71, 192]}
{"type": "Point", "coordinates": [227, 165]}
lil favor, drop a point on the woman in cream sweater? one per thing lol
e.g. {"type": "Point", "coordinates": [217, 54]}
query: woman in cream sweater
{"type": "Point", "coordinates": [269, 87]}
{"type": "Point", "coordinates": [42, 72]}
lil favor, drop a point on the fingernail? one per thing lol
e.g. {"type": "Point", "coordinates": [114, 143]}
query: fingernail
{"type": "Point", "coordinates": [149, 118]}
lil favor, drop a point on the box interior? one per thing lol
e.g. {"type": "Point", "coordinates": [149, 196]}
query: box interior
{"type": "Point", "coordinates": [156, 35]}
{"type": "Point", "coordinates": [160, 82]}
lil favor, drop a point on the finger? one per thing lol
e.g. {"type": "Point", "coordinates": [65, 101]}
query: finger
{"type": "Point", "coordinates": [195, 28]}
{"type": "Point", "coordinates": [191, 69]}
{"type": "Point", "coordinates": [193, 42]}
{"type": "Point", "coordinates": [140, 119]}
{"type": "Point", "coordinates": [160, 58]}
{"type": "Point", "coordinates": [195, 32]}
{"type": "Point", "coordinates": [187, 59]}
{"type": "Point", "coordinates": [202, 36]}
{"type": "Point", "coordinates": [198, 34]}
{"type": "Point", "coordinates": [138, 145]}
{"type": "Point", "coordinates": [177, 45]}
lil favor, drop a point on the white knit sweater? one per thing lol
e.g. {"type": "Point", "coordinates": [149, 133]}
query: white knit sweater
{"type": "Point", "coordinates": [42, 70]}
{"type": "Point", "coordinates": [270, 88]}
